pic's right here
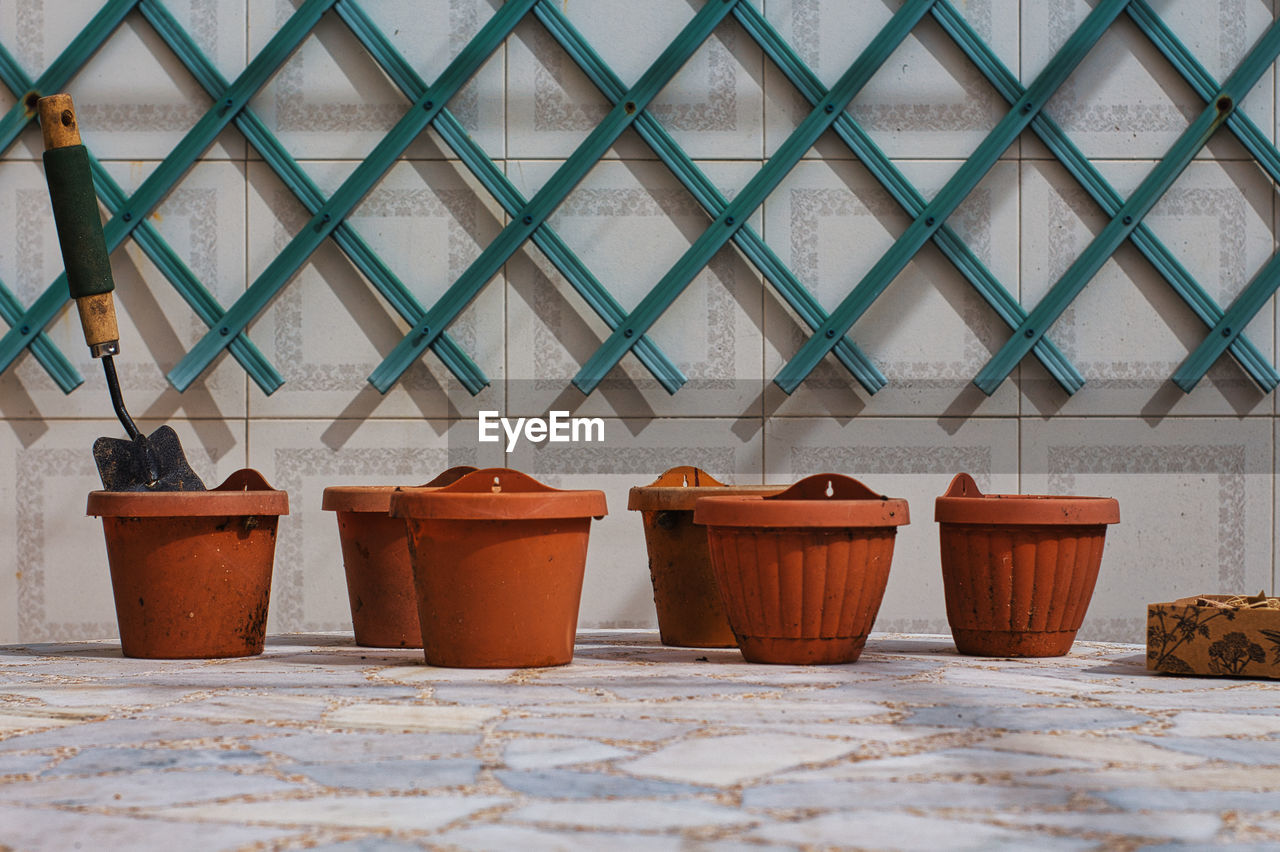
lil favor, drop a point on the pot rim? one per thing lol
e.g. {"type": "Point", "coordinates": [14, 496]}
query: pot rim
{"type": "Point", "coordinates": [245, 492]}
{"type": "Point", "coordinates": [824, 500]}
{"type": "Point", "coordinates": [963, 503]}
{"type": "Point", "coordinates": [498, 494]}
{"type": "Point", "coordinates": [377, 498]}
{"type": "Point", "coordinates": [679, 488]}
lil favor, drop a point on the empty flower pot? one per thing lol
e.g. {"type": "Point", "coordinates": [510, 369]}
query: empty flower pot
{"type": "Point", "coordinates": [498, 560]}
{"type": "Point", "coordinates": [1018, 570]}
{"type": "Point", "coordinates": [690, 613]}
{"type": "Point", "coordinates": [375, 559]}
{"type": "Point", "coordinates": [802, 572]}
{"type": "Point", "coordinates": [191, 570]}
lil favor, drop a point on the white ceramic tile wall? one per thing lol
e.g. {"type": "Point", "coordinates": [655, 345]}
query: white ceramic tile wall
{"type": "Point", "coordinates": [1126, 95]}
{"type": "Point", "coordinates": [1194, 473]}
{"type": "Point", "coordinates": [712, 332]}
{"type": "Point", "coordinates": [330, 328]}
{"type": "Point", "coordinates": [1128, 331]}
{"type": "Point", "coordinates": [712, 106]}
{"type": "Point", "coordinates": [930, 331]}
{"type": "Point", "coordinates": [928, 100]}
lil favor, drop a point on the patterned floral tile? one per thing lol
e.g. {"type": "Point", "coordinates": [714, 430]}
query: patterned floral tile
{"type": "Point", "coordinates": [927, 100]}
{"type": "Point", "coordinates": [914, 459]}
{"type": "Point", "coordinates": [1194, 506]}
{"type": "Point", "coordinates": [161, 101]}
{"type": "Point", "coordinates": [304, 457]}
{"type": "Point", "coordinates": [712, 106]}
{"type": "Point", "coordinates": [331, 100]}
{"type": "Point", "coordinates": [711, 332]}
{"type": "Point", "coordinates": [1128, 331]}
{"type": "Point", "coordinates": [929, 332]}
{"type": "Point", "coordinates": [201, 221]}
{"type": "Point", "coordinates": [1125, 93]}
{"type": "Point", "coordinates": [329, 328]}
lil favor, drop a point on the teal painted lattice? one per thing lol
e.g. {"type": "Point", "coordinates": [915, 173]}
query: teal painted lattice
{"type": "Point", "coordinates": [728, 219]}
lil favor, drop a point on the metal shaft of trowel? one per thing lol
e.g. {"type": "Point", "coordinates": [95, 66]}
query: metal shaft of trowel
{"type": "Point", "coordinates": [84, 249]}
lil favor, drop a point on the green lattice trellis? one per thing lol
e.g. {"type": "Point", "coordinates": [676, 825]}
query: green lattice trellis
{"type": "Point", "coordinates": [728, 219]}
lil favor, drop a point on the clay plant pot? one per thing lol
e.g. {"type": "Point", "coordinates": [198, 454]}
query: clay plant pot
{"type": "Point", "coordinates": [1018, 570]}
{"type": "Point", "coordinates": [191, 570]}
{"type": "Point", "coordinates": [802, 572]}
{"type": "Point", "coordinates": [498, 560]}
{"type": "Point", "coordinates": [375, 558]}
{"type": "Point", "coordinates": [690, 613]}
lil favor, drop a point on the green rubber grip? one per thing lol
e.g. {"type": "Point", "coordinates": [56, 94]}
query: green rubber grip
{"type": "Point", "coordinates": [75, 212]}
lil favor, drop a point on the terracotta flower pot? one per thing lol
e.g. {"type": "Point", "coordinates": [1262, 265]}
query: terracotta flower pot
{"type": "Point", "coordinates": [690, 613]}
{"type": "Point", "coordinates": [498, 560]}
{"type": "Point", "coordinates": [191, 570]}
{"type": "Point", "coordinates": [802, 572]}
{"type": "Point", "coordinates": [375, 558]}
{"type": "Point", "coordinates": [1018, 570]}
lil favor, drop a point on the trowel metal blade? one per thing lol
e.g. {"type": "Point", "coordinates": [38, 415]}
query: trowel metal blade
{"type": "Point", "coordinates": [153, 463]}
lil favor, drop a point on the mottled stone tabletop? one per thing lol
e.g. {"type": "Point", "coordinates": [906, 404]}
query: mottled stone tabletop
{"type": "Point", "coordinates": [319, 744]}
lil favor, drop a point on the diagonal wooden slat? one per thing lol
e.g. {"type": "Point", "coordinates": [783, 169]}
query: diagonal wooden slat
{"type": "Point", "coordinates": [713, 201]}
{"type": "Point", "coordinates": [1153, 186]}
{"type": "Point", "coordinates": [1177, 276]}
{"type": "Point", "coordinates": [162, 179]}
{"type": "Point", "coordinates": [500, 186]}
{"type": "Point", "coordinates": [528, 222]}
{"type": "Point", "coordinates": [751, 197]}
{"type": "Point", "coordinates": [349, 194]}
{"type": "Point", "coordinates": [288, 170]}
{"type": "Point", "coordinates": [950, 244]}
{"type": "Point", "coordinates": [27, 91]}
{"type": "Point", "coordinates": [548, 198]}
{"type": "Point", "coordinates": [953, 193]}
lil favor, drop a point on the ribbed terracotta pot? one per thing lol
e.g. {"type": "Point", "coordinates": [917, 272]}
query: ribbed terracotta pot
{"type": "Point", "coordinates": [191, 570]}
{"type": "Point", "coordinates": [802, 572]}
{"type": "Point", "coordinates": [498, 560]}
{"type": "Point", "coordinates": [690, 612]}
{"type": "Point", "coordinates": [375, 559]}
{"type": "Point", "coordinates": [1018, 570]}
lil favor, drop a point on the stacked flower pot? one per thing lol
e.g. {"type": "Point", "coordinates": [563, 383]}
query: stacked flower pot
{"type": "Point", "coordinates": [375, 558]}
{"type": "Point", "coordinates": [479, 568]}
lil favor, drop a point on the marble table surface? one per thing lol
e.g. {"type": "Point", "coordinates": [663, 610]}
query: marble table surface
{"type": "Point", "coordinates": [319, 744]}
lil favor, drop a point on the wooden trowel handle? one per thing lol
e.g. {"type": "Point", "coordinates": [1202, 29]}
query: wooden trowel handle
{"type": "Point", "coordinates": [75, 212]}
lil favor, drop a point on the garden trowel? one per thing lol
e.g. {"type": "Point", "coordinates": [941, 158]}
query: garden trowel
{"type": "Point", "coordinates": [140, 463]}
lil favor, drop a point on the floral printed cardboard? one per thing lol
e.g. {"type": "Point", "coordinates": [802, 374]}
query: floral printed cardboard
{"type": "Point", "coordinates": [1215, 635]}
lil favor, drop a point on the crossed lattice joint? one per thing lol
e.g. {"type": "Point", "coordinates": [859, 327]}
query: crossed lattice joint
{"type": "Point", "coordinates": [528, 218]}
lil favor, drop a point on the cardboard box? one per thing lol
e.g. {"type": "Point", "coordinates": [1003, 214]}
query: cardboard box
{"type": "Point", "coordinates": [1207, 638]}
